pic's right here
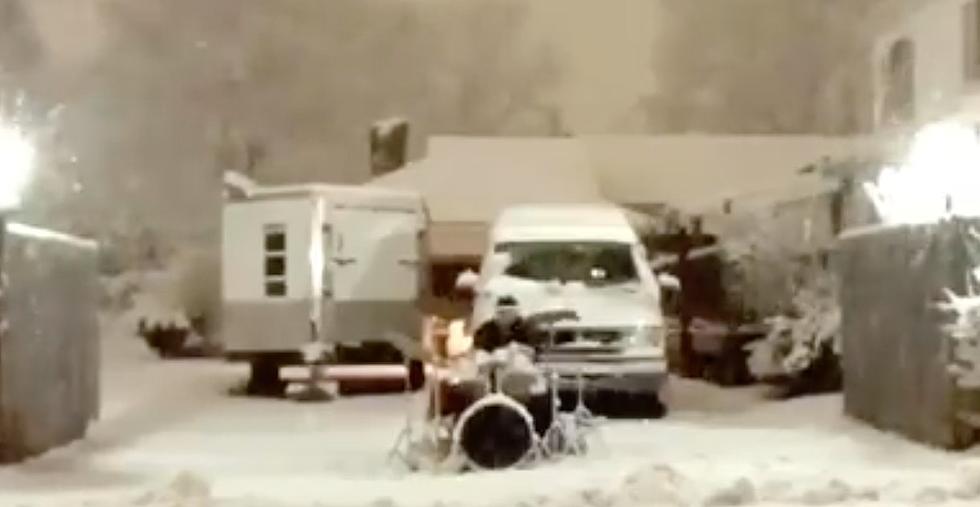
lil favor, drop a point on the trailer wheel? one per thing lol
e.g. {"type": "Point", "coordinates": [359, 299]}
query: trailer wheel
{"type": "Point", "coordinates": [265, 379]}
{"type": "Point", "coordinates": [416, 375]}
{"type": "Point", "coordinates": [651, 406]}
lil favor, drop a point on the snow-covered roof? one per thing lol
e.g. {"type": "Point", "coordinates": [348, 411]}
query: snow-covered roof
{"type": "Point", "coordinates": [341, 194]}
{"type": "Point", "coordinates": [473, 179]}
{"type": "Point", "coordinates": [470, 180]}
{"type": "Point", "coordinates": [599, 215]}
{"type": "Point", "coordinates": [593, 222]}
{"type": "Point", "coordinates": [691, 172]}
{"type": "Point", "coordinates": [387, 125]}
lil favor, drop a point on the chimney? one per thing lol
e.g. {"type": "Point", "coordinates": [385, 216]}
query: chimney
{"type": "Point", "coordinates": [389, 145]}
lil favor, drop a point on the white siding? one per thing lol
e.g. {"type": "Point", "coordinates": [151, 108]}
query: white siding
{"type": "Point", "coordinates": [375, 255]}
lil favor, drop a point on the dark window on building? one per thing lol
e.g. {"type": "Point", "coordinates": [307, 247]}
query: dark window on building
{"type": "Point", "coordinates": [899, 91]}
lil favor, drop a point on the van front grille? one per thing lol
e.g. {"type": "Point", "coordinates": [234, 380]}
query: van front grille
{"type": "Point", "coordinates": [587, 340]}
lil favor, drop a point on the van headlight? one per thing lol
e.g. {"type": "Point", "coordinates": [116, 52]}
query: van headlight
{"type": "Point", "coordinates": [647, 336]}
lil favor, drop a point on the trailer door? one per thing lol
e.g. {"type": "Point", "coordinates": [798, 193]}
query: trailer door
{"type": "Point", "coordinates": [376, 255]}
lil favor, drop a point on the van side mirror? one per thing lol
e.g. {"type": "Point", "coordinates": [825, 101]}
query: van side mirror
{"type": "Point", "coordinates": [466, 281]}
{"type": "Point", "coordinates": [668, 281]}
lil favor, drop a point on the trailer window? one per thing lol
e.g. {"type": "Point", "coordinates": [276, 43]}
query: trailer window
{"type": "Point", "coordinates": [274, 267]}
{"type": "Point", "coordinates": [275, 238]}
{"type": "Point", "coordinates": [277, 289]}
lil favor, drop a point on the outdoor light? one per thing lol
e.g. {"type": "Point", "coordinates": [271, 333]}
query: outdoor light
{"type": "Point", "coordinates": [939, 178]}
{"type": "Point", "coordinates": [16, 164]}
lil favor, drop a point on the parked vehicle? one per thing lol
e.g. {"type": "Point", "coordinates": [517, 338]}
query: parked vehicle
{"type": "Point", "coordinates": [311, 269]}
{"type": "Point", "coordinates": [587, 259]}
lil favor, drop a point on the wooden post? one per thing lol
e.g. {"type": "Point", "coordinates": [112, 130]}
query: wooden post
{"type": "Point", "coordinates": [685, 308]}
{"type": "Point", "coordinates": [3, 315]}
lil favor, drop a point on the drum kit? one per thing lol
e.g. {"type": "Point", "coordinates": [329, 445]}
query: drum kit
{"type": "Point", "coordinates": [495, 410]}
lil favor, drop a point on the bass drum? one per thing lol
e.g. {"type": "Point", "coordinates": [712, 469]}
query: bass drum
{"type": "Point", "coordinates": [495, 432]}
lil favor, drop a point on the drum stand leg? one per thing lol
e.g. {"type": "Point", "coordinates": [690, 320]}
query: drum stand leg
{"type": "Point", "coordinates": [553, 442]}
{"type": "Point", "coordinates": [586, 423]}
{"type": "Point", "coordinates": [403, 446]}
{"type": "Point", "coordinates": [582, 418]}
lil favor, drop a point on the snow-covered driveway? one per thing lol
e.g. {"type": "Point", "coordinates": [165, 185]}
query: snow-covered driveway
{"type": "Point", "coordinates": [170, 435]}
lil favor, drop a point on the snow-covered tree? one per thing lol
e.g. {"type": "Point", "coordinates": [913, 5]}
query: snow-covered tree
{"type": "Point", "coordinates": [964, 331]}
{"type": "Point", "coordinates": [793, 288]}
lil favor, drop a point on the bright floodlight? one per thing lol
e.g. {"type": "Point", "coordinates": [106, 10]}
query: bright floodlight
{"type": "Point", "coordinates": [16, 164]}
{"type": "Point", "coordinates": [940, 177]}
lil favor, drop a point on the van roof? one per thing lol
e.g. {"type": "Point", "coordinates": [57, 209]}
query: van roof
{"type": "Point", "coordinates": [563, 222]}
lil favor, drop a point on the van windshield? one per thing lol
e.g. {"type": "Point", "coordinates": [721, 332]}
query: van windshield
{"type": "Point", "coordinates": [593, 263]}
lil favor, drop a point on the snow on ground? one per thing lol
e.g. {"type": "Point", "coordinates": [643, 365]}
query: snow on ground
{"type": "Point", "coordinates": [170, 435]}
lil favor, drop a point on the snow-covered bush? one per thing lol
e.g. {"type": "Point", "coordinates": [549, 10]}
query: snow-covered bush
{"type": "Point", "coordinates": [964, 334]}
{"type": "Point", "coordinates": [964, 331]}
{"type": "Point", "coordinates": [790, 284]}
{"type": "Point", "coordinates": [175, 307]}
{"type": "Point", "coordinates": [797, 340]}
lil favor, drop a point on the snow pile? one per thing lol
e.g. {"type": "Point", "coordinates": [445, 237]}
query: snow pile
{"type": "Point", "coordinates": [238, 185]}
{"type": "Point", "coordinates": [796, 340]}
{"type": "Point", "coordinates": [387, 126]}
{"type": "Point", "coordinates": [187, 489]}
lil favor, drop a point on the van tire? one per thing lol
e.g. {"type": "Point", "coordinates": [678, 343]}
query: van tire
{"type": "Point", "coordinates": [416, 375]}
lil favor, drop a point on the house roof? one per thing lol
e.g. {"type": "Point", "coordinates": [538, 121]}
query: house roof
{"type": "Point", "coordinates": [474, 179]}
{"type": "Point", "coordinates": [692, 172]}
{"type": "Point", "coordinates": [467, 181]}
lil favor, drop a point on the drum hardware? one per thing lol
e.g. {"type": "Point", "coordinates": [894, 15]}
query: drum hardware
{"type": "Point", "coordinates": [401, 449]}
{"type": "Point", "coordinates": [568, 432]}
{"type": "Point", "coordinates": [472, 438]}
{"type": "Point", "coordinates": [421, 448]}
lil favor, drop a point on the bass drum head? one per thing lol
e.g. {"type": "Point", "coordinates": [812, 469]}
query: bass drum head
{"type": "Point", "coordinates": [495, 432]}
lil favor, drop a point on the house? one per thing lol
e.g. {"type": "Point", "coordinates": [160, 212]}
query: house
{"type": "Point", "coordinates": [926, 66]}
{"type": "Point", "coordinates": [467, 181]}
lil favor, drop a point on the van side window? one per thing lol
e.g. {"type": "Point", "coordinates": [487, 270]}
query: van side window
{"type": "Point", "coordinates": [274, 267]}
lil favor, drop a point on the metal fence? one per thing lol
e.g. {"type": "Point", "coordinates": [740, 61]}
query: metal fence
{"type": "Point", "coordinates": [895, 353]}
{"type": "Point", "coordinates": [49, 344]}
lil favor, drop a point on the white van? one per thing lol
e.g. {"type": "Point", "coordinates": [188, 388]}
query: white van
{"type": "Point", "coordinates": [585, 258]}
{"type": "Point", "coordinates": [306, 268]}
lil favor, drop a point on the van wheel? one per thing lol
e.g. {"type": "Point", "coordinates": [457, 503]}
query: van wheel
{"type": "Point", "coordinates": [416, 375]}
{"type": "Point", "coordinates": [265, 379]}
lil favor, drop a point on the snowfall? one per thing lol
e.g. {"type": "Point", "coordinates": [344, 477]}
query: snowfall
{"type": "Point", "coordinates": [171, 435]}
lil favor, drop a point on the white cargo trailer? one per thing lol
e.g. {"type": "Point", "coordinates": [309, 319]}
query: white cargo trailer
{"type": "Point", "coordinates": [312, 267]}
